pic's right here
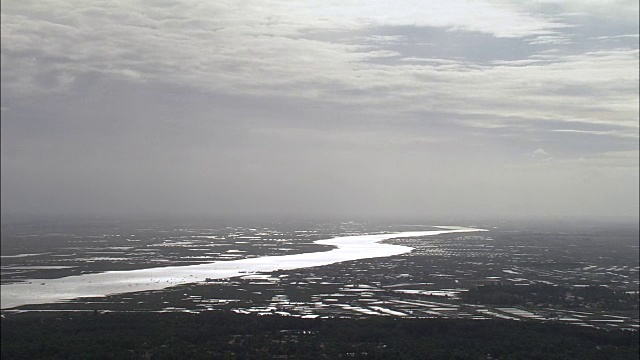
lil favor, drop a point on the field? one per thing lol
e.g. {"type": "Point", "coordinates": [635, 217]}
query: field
{"type": "Point", "coordinates": [534, 280]}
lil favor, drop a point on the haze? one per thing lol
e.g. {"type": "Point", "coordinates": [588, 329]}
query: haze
{"type": "Point", "coordinates": [350, 108]}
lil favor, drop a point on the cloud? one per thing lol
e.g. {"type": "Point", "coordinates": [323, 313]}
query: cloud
{"type": "Point", "coordinates": [340, 91]}
{"type": "Point", "coordinates": [622, 11]}
{"type": "Point", "coordinates": [598, 133]}
{"type": "Point", "coordinates": [263, 49]}
{"type": "Point", "coordinates": [541, 154]}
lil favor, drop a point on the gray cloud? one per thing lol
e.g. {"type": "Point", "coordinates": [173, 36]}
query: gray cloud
{"type": "Point", "coordinates": [273, 108]}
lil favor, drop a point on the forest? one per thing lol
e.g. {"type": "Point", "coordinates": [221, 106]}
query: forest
{"type": "Point", "coordinates": [594, 297]}
{"type": "Point", "coordinates": [226, 335]}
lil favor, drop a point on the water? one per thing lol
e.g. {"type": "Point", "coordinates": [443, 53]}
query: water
{"type": "Point", "coordinates": [42, 291]}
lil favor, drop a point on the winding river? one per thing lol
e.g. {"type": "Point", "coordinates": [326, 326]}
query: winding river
{"type": "Point", "coordinates": [42, 291]}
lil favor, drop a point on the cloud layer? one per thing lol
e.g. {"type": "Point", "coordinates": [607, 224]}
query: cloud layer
{"type": "Point", "coordinates": [313, 108]}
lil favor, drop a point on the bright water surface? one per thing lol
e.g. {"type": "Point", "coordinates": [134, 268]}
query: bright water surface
{"type": "Point", "coordinates": [42, 291]}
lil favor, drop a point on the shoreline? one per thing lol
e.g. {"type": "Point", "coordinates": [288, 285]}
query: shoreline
{"type": "Point", "coordinates": [348, 248]}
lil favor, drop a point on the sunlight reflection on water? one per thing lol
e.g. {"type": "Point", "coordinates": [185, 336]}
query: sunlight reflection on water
{"type": "Point", "coordinates": [41, 291]}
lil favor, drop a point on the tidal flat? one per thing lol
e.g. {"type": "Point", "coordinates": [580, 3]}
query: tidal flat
{"type": "Point", "coordinates": [342, 248]}
{"type": "Point", "coordinates": [577, 274]}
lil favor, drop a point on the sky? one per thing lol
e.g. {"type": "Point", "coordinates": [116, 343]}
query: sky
{"type": "Point", "coordinates": [415, 109]}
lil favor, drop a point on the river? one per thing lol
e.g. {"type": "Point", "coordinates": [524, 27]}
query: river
{"type": "Point", "coordinates": [42, 291]}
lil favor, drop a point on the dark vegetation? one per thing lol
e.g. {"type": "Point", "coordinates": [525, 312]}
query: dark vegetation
{"type": "Point", "coordinates": [594, 297]}
{"type": "Point", "coordinates": [224, 335]}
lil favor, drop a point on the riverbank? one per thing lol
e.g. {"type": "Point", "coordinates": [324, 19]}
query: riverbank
{"type": "Point", "coordinates": [42, 291]}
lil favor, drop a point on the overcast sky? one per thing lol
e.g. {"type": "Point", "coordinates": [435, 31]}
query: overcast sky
{"type": "Point", "coordinates": [448, 109]}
